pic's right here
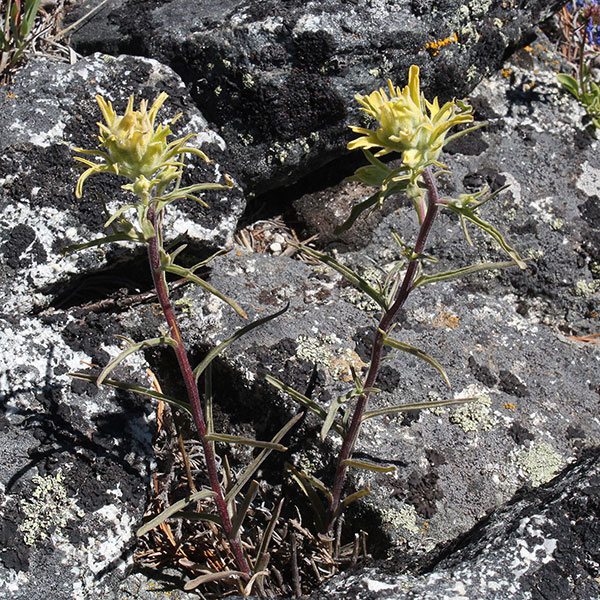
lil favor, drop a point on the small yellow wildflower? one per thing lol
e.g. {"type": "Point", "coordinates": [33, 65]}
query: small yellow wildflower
{"type": "Point", "coordinates": [408, 123]}
{"type": "Point", "coordinates": [135, 148]}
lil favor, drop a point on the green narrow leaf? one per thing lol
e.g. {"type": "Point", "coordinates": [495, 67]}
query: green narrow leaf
{"type": "Point", "coordinates": [356, 211]}
{"type": "Point", "coordinates": [255, 464]}
{"type": "Point", "coordinates": [197, 516]}
{"type": "Point", "coordinates": [130, 350]}
{"type": "Point", "coordinates": [300, 398]}
{"type": "Point", "coordinates": [309, 486]}
{"type": "Point", "coordinates": [468, 214]}
{"type": "Point", "coordinates": [238, 334]}
{"type": "Point", "coordinates": [31, 9]}
{"type": "Point", "coordinates": [226, 438]}
{"type": "Point", "coordinates": [347, 273]}
{"type": "Point", "coordinates": [398, 345]}
{"type": "Point", "coordinates": [119, 237]}
{"type": "Point", "coordinates": [369, 466]}
{"type": "Point", "coordinates": [569, 83]}
{"type": "Point", "coordinates": [208, 404]}
{"type": "Point", "coordinates": [331, 414]}
{"type": "Point", "coordinates": [242, 510]}
{"type": "Point", "coordinates": [169, 512]}
{"type": "Point", "coordinates": [187, 274]}
{"type": "Point", "coordinates": [369, 414]}
{"type": "Point", "coordinates": [352, 498]}
{"type": "Point", "coordinates": [138, 389]}
{"type": "Point", "coordinates": [455, 274]}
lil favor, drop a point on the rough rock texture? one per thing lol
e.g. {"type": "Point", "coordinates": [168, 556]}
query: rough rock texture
{"type": "Point", "coordinates": [542, 545]}
{"type": "Point", "coordinates": [74, 460]}
{"type": "Point", "coordinates": [84, 454]}
{"type": "Point", "coordinates": [47, 113]}
{"type": "Point", "coordinates": [278, 78]}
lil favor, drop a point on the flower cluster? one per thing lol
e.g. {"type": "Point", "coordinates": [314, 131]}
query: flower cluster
{"type": "Point", "coordinates": [588, 16]}
{"type": "Point", "coordinates": [408, 123]}
{"type": "Point", "coordinates": [135, 148]}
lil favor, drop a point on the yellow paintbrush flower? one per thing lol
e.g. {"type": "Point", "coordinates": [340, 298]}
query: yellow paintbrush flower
{"type": "Point", "coordinates": [134, 148]}
{"type": "Point", "coordinates": [408, 123]}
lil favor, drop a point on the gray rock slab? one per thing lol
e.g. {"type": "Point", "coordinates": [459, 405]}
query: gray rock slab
{"type": "Point", "coordinates": [74, 460]}
{"type": "Point", "coordinates": [50, 110]}
{"type": "Point", "coordinates": [542, 545]}
{"type": "Point", "coordinates": [278, 79]}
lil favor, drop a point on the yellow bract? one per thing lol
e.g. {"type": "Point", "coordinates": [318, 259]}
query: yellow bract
{"type": "Point", "coordinates": [134, 148]}
{"type": "Point", "coordinates": [408, 123]}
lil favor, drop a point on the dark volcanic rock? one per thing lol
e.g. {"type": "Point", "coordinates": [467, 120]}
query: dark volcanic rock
{"type": "Point", "coordinates": [278, 78]}
{"type": "Point", "coordinates": [50, 110]}
{"type": "Point", "coordinates": [542, 545]}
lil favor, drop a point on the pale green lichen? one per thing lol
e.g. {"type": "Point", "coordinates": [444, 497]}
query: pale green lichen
{"type": "Point", "coordinates": [248, 81]}
{"type": "Point", "coordinates": [48, 509]}
{"type": "Point", "coordinates": [403, 517]}
{"type": "Point", "coordinates": [327, 351]}
{"type": "Point", "coordinates": [185, 305]}
{"type": "Point", "coordinates": [540, 463]}
{"type": "Point", "coordinates": [363, 302]}
{"type": "Point", "coordinates": [557, 224]}
{"type": "Point", "coordinates": [475, 416]}
{"type": "Point", "coordinates": [585, 288]}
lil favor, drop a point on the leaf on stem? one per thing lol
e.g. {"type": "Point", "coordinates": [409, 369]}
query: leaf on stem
{"type": "Point", "coordinates": [398, 345]}
{"type": "Point", "coordinates": [380, 412]}
{"type": "Point", "coordinates": [347, 273]}
{"type": "Point", "coordinates": [352, 498]}
{"type": "Point", "coordinates": [133, 347]}
{"type": "Point", "coordinates": [226, 438]}
{"type": "Point", "coordinates": [118, 237]}
{"type": "Point", "coordinates": [263, 548]}
{"type": "Point", "coordinates": [138, 389]}
{"type": "Point", "coordinates": [335, 405]}
{"type": "Point", "coordinates": [190, 276]}
{"type": "Point", "coordinates": [300, 398]}
{"type": "Point", "coordinates": [456, 273]}
{"type": "Point", "coordinates": [309, 486]}
{"type": "Point", "coordinates": [242, 510]}
{"type": "Point", "coordinates": [369, 466]}
{"type": "Point", "coordinates": [255, 464]}
{"type": "Point", "coordinates": [465, 208]}
{"type": "Point", "coordinates": [357, 210]}
{"type": "Point", "coordinates": [238, 334]}
{"type": "Point", "coordinates": [174, 508]}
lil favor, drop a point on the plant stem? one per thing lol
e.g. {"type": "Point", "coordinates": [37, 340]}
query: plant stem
{"type": "Point", "coordinates": [162, 292]}
{"type": "Point", "coordinates": [386, 322]}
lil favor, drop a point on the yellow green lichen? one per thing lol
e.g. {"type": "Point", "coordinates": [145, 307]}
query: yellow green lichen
{"type": "Point", "coordinates": [475, 416]}
{"type": "Point", "coordinates": [402, 517]}
{"type": "Point", "coordinates": [585, 288]}
{"type": "Point", "coordinates": [540, 463]}
{"type": "Point", "coordinates": [325, 350]}
{"type": "Point", "coordinates": [48, 509]}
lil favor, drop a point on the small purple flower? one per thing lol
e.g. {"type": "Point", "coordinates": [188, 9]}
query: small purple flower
{"type": "Point", "coordinates": [588, 16]}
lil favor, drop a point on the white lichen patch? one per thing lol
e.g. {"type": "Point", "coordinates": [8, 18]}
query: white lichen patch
{"type": "Point", "coordinates": [540, 463]}
{"type": "Point", "coordinates": [476, 415]}
{"type": "Point", "coordinates": [589, 180]}
{"type": "Point", "coordinates": [48, 509]}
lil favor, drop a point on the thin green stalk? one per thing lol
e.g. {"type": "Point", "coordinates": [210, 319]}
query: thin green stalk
{"type": "Point", "coordinates": [162, 291]}
{"type": "Point", "coordinates": [387, 320]}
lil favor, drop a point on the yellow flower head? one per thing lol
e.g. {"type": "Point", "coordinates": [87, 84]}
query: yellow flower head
{"type": "Point", "coordinates": [408, 123]}
{"type": "Point", "coordinates": [134, 148]}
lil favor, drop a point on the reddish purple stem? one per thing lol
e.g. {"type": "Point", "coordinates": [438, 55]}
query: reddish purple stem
{"type": "Point", "coordinates": [162, 291]}
{"type": "Point", "coordinates": [387, 320]}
